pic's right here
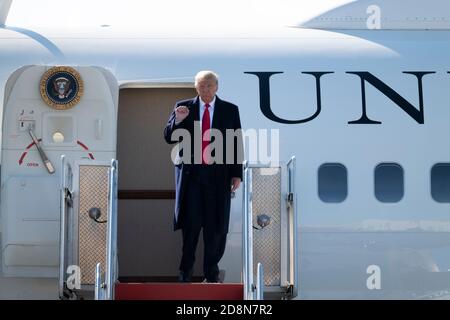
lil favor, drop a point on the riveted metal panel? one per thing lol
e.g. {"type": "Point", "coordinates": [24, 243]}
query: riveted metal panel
{"type": "Point", "coordinates": [92, 236]}
{"type": "Point", "coordinates": [266, 199]}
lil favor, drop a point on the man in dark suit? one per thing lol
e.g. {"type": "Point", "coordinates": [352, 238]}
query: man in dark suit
{"type": "Point", "coordinates": [205, 179]}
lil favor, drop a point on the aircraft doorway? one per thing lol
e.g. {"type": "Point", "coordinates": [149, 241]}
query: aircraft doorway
{"type": "Point", "coordinates": [148, 249]}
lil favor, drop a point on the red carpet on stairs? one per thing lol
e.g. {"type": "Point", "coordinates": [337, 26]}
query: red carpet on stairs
{"type": "Point", "coordinates": [179, 291]}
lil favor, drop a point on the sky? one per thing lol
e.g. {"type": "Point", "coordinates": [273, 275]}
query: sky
{"type": "Point", "coordinates": [66, 13]}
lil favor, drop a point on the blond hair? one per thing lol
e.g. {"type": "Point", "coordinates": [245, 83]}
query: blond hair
{"type": "Point", "coordinates": [206, 75]}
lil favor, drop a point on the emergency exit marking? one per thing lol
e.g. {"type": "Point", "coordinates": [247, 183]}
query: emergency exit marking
{"type": "Point", "coordinates": [32, 164]}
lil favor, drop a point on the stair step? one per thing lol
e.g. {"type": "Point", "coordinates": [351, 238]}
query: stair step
{"type": "Point", "coordinates": [179, 291]}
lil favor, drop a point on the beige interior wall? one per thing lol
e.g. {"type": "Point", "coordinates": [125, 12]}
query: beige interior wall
{"type": "Point", "coordinates": [147, 244]}
{"type": "Point", "coordinates": [144, 156]}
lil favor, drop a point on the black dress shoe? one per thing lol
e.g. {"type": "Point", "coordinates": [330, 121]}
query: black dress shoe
{"type": "Point", "coordinates": [185, 276]}
{"type": "Point", "coordinates": [215, 277]}
{"type": "Point", "coordinates": [212, 279]}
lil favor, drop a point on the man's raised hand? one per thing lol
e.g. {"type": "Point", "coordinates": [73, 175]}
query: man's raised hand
{"type": "Point", "coordinates": [181, 112]}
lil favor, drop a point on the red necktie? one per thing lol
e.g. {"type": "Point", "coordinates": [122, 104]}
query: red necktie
{"type": "Point", "coordinates": [206, 125]}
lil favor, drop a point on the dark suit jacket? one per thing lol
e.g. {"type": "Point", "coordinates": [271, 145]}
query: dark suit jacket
{"type": "Point", "coordinates": [226, 116]}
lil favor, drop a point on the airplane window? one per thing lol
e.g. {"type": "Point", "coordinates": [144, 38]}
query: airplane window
{"type": "Point", "coordinates": [440, 182]}
{"type": "Point", "coordinates": [389, 186]}
{"type": "Point", "coordinates": [332, 184]}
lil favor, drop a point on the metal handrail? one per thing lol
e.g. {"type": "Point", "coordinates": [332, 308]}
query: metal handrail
{"type": "Point", "coordinates": [293, 230]}
{"type": "Point", "coordinates": [244, 232]}
{"type": "Point", "coordinates": [98, 293]}
{"type": "Point", "coordinates": [62, 232]}
{"type": "Point", "coordinates": [111, 268]}
{"type": "Point", "coordinates": [260, 282]}
{"type": "Point", "coordinates": [247, 233]}
{"type": "Point", "coordinates": [290, 160]}
{"type": "Point", "coordinates": [65, 180]}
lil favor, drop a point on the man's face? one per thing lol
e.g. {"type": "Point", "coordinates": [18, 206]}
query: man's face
{"type": "Point", "coordinates": [206, 89]}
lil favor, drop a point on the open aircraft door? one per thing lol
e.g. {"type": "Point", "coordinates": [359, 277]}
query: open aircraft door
{"type": "Point", "coordinates": [270, 232]}
{"type": "Point", "coordinates": [52, 112]}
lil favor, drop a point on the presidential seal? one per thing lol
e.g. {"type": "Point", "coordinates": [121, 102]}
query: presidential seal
{"type": "Point", "coordinates": [61, 87]}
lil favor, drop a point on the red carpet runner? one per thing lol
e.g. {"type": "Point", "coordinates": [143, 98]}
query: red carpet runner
{"type": "Point", "coordinates": [179, 291]}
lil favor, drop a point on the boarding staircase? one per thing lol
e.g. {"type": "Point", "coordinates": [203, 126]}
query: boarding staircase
{"type": "Point", "coordinates": [89, 239]}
